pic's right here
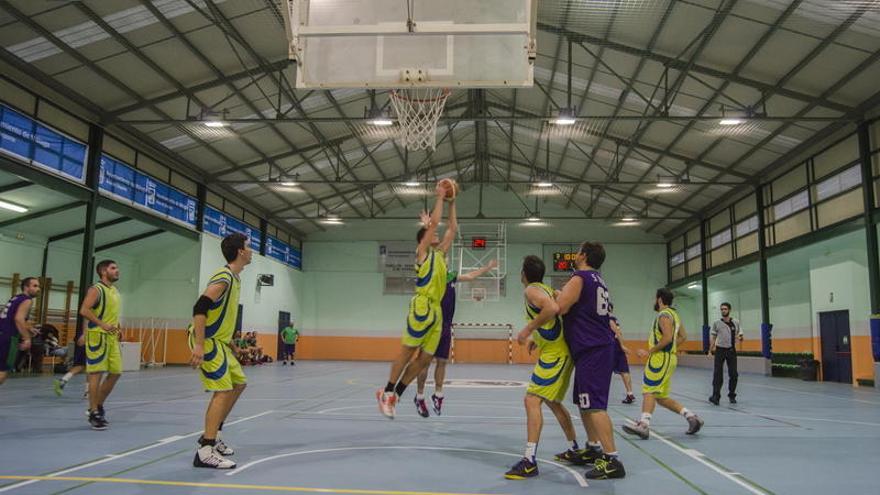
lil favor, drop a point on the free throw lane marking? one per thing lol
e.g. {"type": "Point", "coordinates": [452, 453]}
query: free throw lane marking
{"type": "Point", "coordinates": [577, 476]}
{"type": "Point", "coordinates": [231, 486]}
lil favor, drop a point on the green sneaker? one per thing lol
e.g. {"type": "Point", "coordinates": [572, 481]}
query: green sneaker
{"type": "Point", "coordinates": [58, 387]}
{"type": "Point", "coordinates": [606, 468]}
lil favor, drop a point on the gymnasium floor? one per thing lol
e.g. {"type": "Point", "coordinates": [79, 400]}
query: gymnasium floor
{"type": "Point", "coordinates": [315, 428]}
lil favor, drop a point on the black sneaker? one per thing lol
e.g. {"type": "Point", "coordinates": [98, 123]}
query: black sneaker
{"type": "Point", "coordinates": [714, 400]}
{"type": "Point", "coordinates": [694, 424]}
{"type": "Point", "coordinates": [103, 414]}
{"type": "Point", "coordinates": [606, 468]}
{"type": "Point", "coordinates": [522, 470]}
{"type": "Point", "coordinates": [97, 422]}
{"type": "Point", "coordinates": [733, 400]}
{"type": "Point", "coordinates": [283, 363]}
{"type": "Point", "coordinates": [588, 456]}
{"type": "Point", "coordinates": [630, 398]}
{"type": "Point", "coordinates": [570, 456]}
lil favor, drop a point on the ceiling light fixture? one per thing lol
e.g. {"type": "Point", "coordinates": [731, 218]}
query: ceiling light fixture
{"type": "Point", "coordinates": [12, 207]}
{"type": "Point", "coordinates": [379, 117]}
{"type": "Point", "coordinates": [566, 116]}
{"type": "Point", "coordinates": [544, 184]}
{"type": "Point", "coordinates": [629, 219]}
{"type": "Point", "coordinates": [731, 121]}
{"type": "Point", "coordinates": [412, 183]}
{"type": "Point", "coordinates": [695, 286]}
{"type": "Point", "coordinates": [665, 185]}
{"type": "Point", "coordinates": [288, 183]}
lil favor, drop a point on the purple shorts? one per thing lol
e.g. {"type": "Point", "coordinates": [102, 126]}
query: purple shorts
{"type": "Point", "coordinates": [445, 342]}
{"type": "Point", "coordinates": [79, 355]}
{"type": "Point", "coordinates": [5, 347]}
{"type": "Point", "coordinates": [620, 363]}
{"type": "Point", "coordinates": [592, 377]}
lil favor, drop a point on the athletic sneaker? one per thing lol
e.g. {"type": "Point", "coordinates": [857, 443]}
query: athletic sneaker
{"type": "Point", "coordinates": [733, 400]}
{"type": "Point", "coordinates": [223, 449]}
{"type": "Point", "coordinates": [588, 456]}
{"type": "Point", "coordinates": [387, 401]}
{"type": "Point", "coordinates": [522, 470]}
{"type": "Point", "coordinates": [639, 429]}
{"type": "Point", "coordinates": [694, 424]}
{"type": "Point", "coordinates": [714, 400]}
{"type": "Point", "coordinates": [630, 398]}
{"type": "Point", "coordinates": [283, 363]}
{"type": "Point", "coordinates": [438, 404]}
{"type": "Point", "coordinates": [58, 386]}
{"type": "Point", "coordinates": [97, 422]}
{"type": "Point", "coordinates": [421, 407]}
{"type": "Point", "coordinates": [570, 456]}
{"type": "Point", "coordinates": [208, 457]}
{"type": "Point", "coordinates": [103, 415]}
{"type": "Point", "coordinates": [606, 468]}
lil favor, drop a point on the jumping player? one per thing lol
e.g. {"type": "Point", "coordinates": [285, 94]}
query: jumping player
{"type": "Point", "coordinates": [100, 310]}
{"type": "Point", "coordinates": [585, 302]}
{"type": "Point", "coordinates": [211, 331]}
{"type": "Point", "coordinates": [447, 306]}
{"type": "Point", "coordinates": [425, 319]}
{"type": "Point", "coordinates": [666, 335]}
{"type": "Point", "coordinates": [552, 373]}
{"type": "Point", "coordinates": [14, 321]}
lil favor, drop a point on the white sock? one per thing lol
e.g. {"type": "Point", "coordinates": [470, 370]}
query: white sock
{"type": "Point", "coordinates": [420, 396]}
{"type": "Point", "coordinates": [439, 395]}
{"type": "Point", "coordinates": [531, 451]}
{"type": "Point", "coordinates": [687, 414]}
{"type": "Point", "coordinates": [67, 376]}
{"type": "Point", "coordinates": [612, 454]}
{"type": "Point", "coordinates": [646, 419]}
{"type": "Point", "coordinates": [594, 445]}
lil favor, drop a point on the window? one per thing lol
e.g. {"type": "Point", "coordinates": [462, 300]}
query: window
{"type": "Point", "coordinates": [791, 205]}
{"type": "Point", "coordinates": [747, 226]}
{"type": "Point", "coordinates": [720, 238]}
{"type": "Point", "coordinates": [676, 259]}
{"type": "Point", "coordinates": [694, 251]}
{"type": "Point", "coordinates": [841, 182]}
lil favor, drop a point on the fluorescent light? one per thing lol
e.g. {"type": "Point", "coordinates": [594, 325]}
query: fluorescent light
{"type": "Point", "coordinates": [695, 286]}
{"type": "Point", "coordinates": [288, 183]}
{"type": "Point", "coordinates": [412, 183]}
{"type": "Point", "coordinates": [566, 116]}
{"type": "Point", "coordinates": [544, 184]}
{"type": "Point", "coordinates": [215, 123]}
{"type": "Point", "coordinates": [382, 121]}
{"type": "Point", "coordinates": [533, 218]}
{"type": "Point", "coordinates": [731, 121]}
{"type": "Point", "coordinates": [665, 185]}
{"type": "Point", "coordinates": [629, 219]}
{"type": "Point", "coordinates": [12, 207]}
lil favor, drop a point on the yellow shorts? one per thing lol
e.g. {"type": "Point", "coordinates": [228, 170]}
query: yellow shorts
{"type": "Point", "coordinates": [423, 325]}
{"type": "Point", "coordinates": [220, 371]}
{"type": "Point", "coordinates": [102, 352]}
{"type": "Point", "coordinates": [658, 374]}
{"type": "Point", "coordinates": [551, 376]}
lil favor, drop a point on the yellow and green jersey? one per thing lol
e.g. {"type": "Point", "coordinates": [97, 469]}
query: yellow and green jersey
{"type": "Point", "coordinates": [431, 276]}
{"type": "Point", "coordinates": [222, 314]}
{"type": "Point", "coordinates": [657, 334]}
{"type": "Point", "coordinates": [107, 308]}
{"type": "Point", "coordinates": [549, 336]}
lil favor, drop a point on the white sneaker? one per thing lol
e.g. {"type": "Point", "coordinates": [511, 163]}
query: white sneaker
{"type": "Point", "coordinates": [223, 449]}
{"type": "Point", "coordinates": [386, 401]}
{"type": "Point", "coordinates": [208, 457]}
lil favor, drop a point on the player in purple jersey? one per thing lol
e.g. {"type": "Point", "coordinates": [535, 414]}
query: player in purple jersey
{"type": "Point", "coordinates": [447, 305]}
{"type": "Point", "coordinates": [14, 321]}
{"type": "Point", "coordinates": [621, 365]}
{"type": "Point", "coordinates": [585, 303]}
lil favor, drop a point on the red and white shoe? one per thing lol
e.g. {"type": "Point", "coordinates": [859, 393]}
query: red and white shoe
{"type": "Point", "coordinates": [387, 402]}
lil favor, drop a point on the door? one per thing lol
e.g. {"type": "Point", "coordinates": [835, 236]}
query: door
{"type": "Point", "coordinates": [836, 351]}
{"type": "Point", "coordinates": [283, 321]}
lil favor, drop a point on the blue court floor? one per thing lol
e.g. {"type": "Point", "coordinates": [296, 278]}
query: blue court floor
{"type": "Point", "coordinates": [315, 428]}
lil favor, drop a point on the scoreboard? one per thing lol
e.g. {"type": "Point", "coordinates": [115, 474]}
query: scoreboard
{"type": "Point", "coordinates": [563, 262]}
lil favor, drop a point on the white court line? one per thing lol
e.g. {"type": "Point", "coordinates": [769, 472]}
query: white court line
{"type": "Point", "coordinates": [373, 404]}
{"type": "Point", "coordinates": [841, 421]}
{"type": "Point", "coordinates": [343, 415]}
{"type": "Point", "coordinates": [111, 457]}
{"type": "Point", "coordinates": [700, 457]}
{"type": "Point", "coordinates": [824, 396]}
{"type": "Point", "coordinates": [577, 476]}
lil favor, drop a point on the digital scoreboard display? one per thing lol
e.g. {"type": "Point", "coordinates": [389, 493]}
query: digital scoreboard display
{"type": "Point", "coordinates": [563, 262]}
{"type": "Point", "coordinates": [478, 243]}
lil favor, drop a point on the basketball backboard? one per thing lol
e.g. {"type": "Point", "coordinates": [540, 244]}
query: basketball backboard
{"type": "Point", "coordinates": [397, 44]}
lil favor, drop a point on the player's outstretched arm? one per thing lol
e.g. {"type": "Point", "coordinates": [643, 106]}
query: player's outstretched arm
{"type": "Point", "coordinates": [431, 228]}
{"type": "Point", "coordinates": [549, 309]}
{"type": "Point", "coordinates": [451, 229]}
{"type": "Point", "coordinates": [571, 292]}
{"type": "Point", "coordinates": [467, 277]}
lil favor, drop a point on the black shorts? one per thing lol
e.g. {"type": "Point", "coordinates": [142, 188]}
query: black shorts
{"type": "Point", "coordinates": [79, 355]}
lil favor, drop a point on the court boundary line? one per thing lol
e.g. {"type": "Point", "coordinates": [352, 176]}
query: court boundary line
{"type": "Point", "coordinates": [237, 486]}
{"type": "Point", "coordinates": [111, 457]}
{"type": "Point", "coordinates": [700, 457]}
{"type": "Point", "coordinates": [577, 476]}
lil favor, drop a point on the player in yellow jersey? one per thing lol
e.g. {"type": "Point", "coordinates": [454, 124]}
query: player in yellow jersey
{"type": "Point", "coordinates": [100, 310]}
{"type": "Point", "coordinates": [666, 335]}
{"type": "Point", "coordinates": [213, 325]}
{"type": "Point", "coordinates": [552, 373]}
{"type": "Point", "coordinates": [425, 318]}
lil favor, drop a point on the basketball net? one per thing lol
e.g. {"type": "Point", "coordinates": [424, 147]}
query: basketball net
{"type": "Point", "coordinates": [418, 111]}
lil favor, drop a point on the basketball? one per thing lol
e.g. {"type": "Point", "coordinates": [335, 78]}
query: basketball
{"type": "Point", "coordinates": [451, 188]}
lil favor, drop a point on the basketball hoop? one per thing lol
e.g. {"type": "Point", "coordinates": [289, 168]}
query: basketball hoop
{"type": "Point", "coordinates": [478, 295]}
{"type": "Point", "coordinates": [418, 111]}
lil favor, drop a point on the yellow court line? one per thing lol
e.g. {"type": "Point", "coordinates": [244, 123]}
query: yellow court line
{"type": "Point", "coordinates": [235, 486]}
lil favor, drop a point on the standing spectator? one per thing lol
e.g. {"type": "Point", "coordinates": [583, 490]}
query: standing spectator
{"type": "Point", "coordinates": [724, 334]}
{"type": "Point", "coordinates": [289, 336]}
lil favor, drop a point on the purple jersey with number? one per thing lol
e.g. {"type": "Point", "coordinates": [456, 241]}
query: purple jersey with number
{"type": "Point", "coordinates": [587, 323]}
{"type": "Point", "coordinates": [7, 315]}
